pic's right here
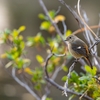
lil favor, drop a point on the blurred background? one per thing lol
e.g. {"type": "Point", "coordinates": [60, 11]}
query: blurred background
{"type": "Point", "coordinates": [14, 13]}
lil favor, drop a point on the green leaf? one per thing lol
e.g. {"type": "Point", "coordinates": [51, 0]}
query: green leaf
{"type": "Point", "coordinates": [41, 16]}
{"type": "Point", "coordinates": [64, 78]}
{"type": "Point", "coordinates": [98, 98]}
{"type": "Point", "coordinates": [48, 98]}
{"type": "Point", "coordinates": [71, 97]}
{"type": "Point", "coordinates": [45, 25]}
{"type": "Point", "coordinates": [74, 77]}
{"type": "Point", "coordinates": [65, 68]}
{"type": "Point", "coordinates": [39, 58]}
{"type": "Point", "coordinates": [7, 31]}
{"type": "Point", "coordinates": [22, 28]}
{"type": "Point", "coordinates": [37, 86]}
{"type": "Point", "coordinates": [15, 33]}
{"type": "Point", "coordinates": [91, 71]}
{"type": "Point", "coordinates": [52, 14]}
{"type": "Point", "coordinates": [68, 33]}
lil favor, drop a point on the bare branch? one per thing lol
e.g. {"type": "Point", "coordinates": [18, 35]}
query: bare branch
{"type": "Point", "coordinates": [68, 76]}
{"type": "Point", "coordinates": [72, 12]}
{"type": "Point", "coordinates": [96, 43]}
{"type": "Point", "coordinates": [78, 9]}
{"type": "Point", "coordinates": [46, 63]}
{"type": "Point", "coordinates": [83, 29]}
{"type": "Point", "coordinates": [23, 84]}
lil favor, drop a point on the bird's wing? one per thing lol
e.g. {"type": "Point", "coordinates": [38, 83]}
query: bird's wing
{"type": "Point", "coordinates": [81, 48]}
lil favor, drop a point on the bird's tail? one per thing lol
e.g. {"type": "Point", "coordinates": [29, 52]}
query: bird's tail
{"type": "Point", "coordinates": [89, 62]}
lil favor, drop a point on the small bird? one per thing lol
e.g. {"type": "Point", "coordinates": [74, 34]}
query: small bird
{"type": "Point", "coordinates": [78, 48]}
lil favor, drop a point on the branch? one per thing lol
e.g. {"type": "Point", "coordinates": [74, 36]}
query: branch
{"type": "Point", "coordinates": [71, 11]}
{"type": "Point", "coordinates": [46, 63]}
{"type": "Point", "coordinates": [96, 43]}
{"type": "Point", "coordinates": [83, 29]}
{"type": "Point", "coordinates": [57, 85]}
{"type": "Point", "coordinates": [68, 76]}
{"type": "Point", "coordinates": [54, 24]}
{"type": "Point", "coordinates": [68, 90]}
{"type": "Point", "coordinates": [23, 84]}
{"type": "Point", "coordinates": [78, 9]}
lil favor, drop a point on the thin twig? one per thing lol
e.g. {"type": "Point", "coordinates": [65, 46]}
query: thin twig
{"type": "Point", "coordinates": [46, 63]}
{"type": "Point", "coordinates": [72, 12]}
{"type": "Point", "coordinates": [60, 55]}
{"type": "Point", "coordinates": [78, 9]}
{"type": "Point", "coordinates": [47, 93]}
{"type": "Point", "coordinates": [83, 29]}
{"type": "Point", "coordinates": [23, 84]}
{"type": "Point", "coordinates": [83, 94]}
{"type": "Point", "coordinates": [96, 43]}
{"type": "Point", "coordinates": [68, 77]}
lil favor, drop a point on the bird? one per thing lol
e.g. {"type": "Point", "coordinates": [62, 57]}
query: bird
{"type": "Point", "coordinates": [78, 48]}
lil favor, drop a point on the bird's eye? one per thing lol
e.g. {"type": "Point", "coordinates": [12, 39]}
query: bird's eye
{"type": "Point", "coordinates": [70, 37]}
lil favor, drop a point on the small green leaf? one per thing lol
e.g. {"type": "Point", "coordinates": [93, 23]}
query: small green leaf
{"type": "Point", "coordinates": [41, 16]}
{"type": "Point", "coordinates": [39, 59]}
{"type": "Point", "coordinates": [22, 28]}
{"type": "Point", "coordinates": [37, 86]}
{"type": "Point", "coordinates": [65, 68]}
{"type": "Point", "coordinates": [64, 78]}
{"type": "Point", "coordinates": [68, 33]}
{"type": "Point", "coordinates": [7, 31]}
{"type": "Point", "coordinates": [52, 14]}
{"type": "Point", "coordinates": [91, 71]}
{"type": "Point", "coordinates": [98, 98]}
{"type": "Point", "coordinates": [71, 97]}
{"type": "Point", "coordinates": [74, 77]}
{"type": "Point", "coordinates": [45, 25]}
{"type": "Point", "coordinates": [48, 98]}
{"type": "Point", "coordinates": [15, 33]}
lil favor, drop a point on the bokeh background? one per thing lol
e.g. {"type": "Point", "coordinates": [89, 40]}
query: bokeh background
{"type": "Point", "coordinates": [13, 14]}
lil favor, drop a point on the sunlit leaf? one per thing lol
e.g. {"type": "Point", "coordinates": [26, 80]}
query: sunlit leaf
{"type": "Point", "coordinates": [39, 58]}
{"type": "Point", "coordinates": [65, 68]}
{"type": "Point", "coordinates": [91, 71]}
{"type": "Point", "coordinates": [45, 25]}
{"type": "Point", "coordinates": [51, 29]}
{"type": "Point", "coordinates": [68, 33]}
{"type": "Point", "coordinates": [41, 16]}
{"type": "Point", "coordinates": [49, 98]}
{"type": "Point", "coordinates": [28, 70]}
{"type": "Point", "coordinates": [52, 13]}
{"type": "Point", "coordinates": [22, 28]}
{"type": "Point", "coordinates": [15, 33]}
{"type": "Point", "coordinates": [4, 55]}
{"type": "Point", "coordinates": [64, 78]}
{"type": "Point", "coordinates": [59, 18]}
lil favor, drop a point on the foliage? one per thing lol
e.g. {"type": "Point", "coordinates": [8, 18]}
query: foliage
{"type": "Point", "coordinates": [81, 83]}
